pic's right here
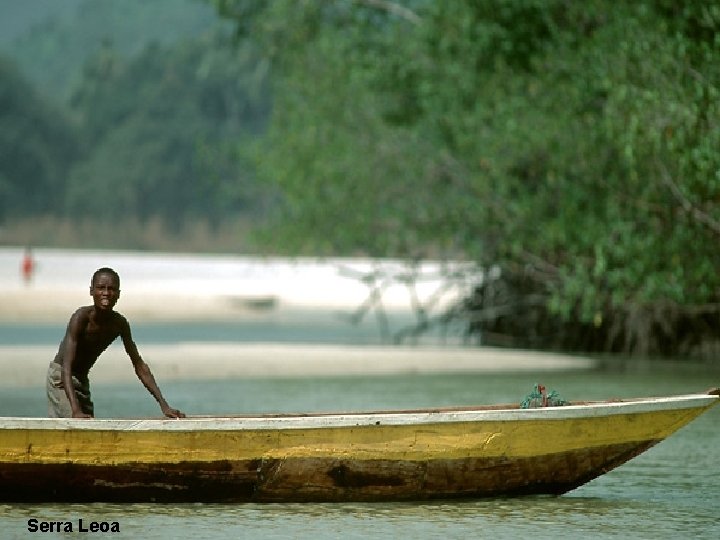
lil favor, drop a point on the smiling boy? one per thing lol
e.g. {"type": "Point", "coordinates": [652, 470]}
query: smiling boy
{"type": "Point", "coordinates": [90, 331]}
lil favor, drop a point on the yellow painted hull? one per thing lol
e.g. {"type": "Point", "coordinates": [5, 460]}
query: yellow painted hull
{"type": "Point", "coordinates": [412, 455]}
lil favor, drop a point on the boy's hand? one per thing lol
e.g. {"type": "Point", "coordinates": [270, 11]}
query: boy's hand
{"type": "Point", "coordinates": [80, 414]}
{"type": "Point", "coordinates": [172, 413]}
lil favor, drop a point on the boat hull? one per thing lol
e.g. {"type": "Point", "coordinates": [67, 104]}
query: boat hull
{"type": "Point", "coordinates": [417, 455]}
{"type": "Point", "coordinates": [312, 479]}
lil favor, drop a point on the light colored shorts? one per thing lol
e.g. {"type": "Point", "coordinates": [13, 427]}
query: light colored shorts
{"type": "Point", "coordinates": [58, 402]}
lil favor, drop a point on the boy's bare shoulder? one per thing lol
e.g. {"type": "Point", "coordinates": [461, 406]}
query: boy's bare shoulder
{"type": "Point", "coordinates": [85, 314]}
{"type": "Point", "coordinates": [119, 316]}
{"type": "Point", "coordinates": [119, 320]}
{"type": "Point", "coordinates": [82, 312]}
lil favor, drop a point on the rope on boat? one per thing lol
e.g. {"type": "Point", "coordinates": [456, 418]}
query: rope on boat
{"type": "Point", "coordinates": [539, 397]}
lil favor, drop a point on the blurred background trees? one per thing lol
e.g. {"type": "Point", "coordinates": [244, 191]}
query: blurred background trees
{"type": "Point", "coordinates": [140, 108]}
{"type": "Point", "coordinates": [570, 146]}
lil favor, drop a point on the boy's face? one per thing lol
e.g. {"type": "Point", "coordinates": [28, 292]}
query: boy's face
{"type": "Point", "coordinates": [105, 291]}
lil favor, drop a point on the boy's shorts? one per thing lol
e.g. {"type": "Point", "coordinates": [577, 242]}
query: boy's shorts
{"type": "Point", "coordinates": [58, 402]}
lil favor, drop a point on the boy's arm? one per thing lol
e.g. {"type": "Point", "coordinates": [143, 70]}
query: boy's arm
{"type": "Point", "coordinates": [69, 355]}
{"type": "Point", "coordinates": [142, 370]}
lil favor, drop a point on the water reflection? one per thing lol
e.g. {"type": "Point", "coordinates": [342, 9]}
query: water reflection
{"type": "Point", "coordinates": [539, 517]}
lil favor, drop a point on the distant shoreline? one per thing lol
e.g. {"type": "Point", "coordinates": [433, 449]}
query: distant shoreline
{"type": "Point", "coordinates": [185, 286]}
{"type": "Point", "coordinates": [52, 305]}
{"type": "Point", "coordinates": [184, 361]}
{"type": "Point", "coordinates": [169, 288]}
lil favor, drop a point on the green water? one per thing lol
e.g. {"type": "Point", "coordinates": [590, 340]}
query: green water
{"type": "Point", "coordinates": [671, 491]}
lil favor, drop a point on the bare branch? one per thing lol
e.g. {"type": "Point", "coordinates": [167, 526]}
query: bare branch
{"type": "Point", "coordinates": [540, 266]}
{"type": "Point", "coordinates": [685, 203]}
{"type": "Point", "coordinates": [394, 8]}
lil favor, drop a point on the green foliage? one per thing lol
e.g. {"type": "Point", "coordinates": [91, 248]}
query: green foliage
{"type": "Point", "coordinates": [574, 143]}
{"type": "Point", "coordinates": [17, 17]}
{"type": "Point", "coordinates": [38, 144]}
{"type": "Point", "coordinates": [157, 126]}
{"type": "Point", "coordinates": [53, 51]}
{"type": "Point", "coordinates": [161, 106]}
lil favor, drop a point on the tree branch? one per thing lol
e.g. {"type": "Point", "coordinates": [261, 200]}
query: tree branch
{"type": "Point", "coordinates": [394, 8]}
{"type": "Point", "coordinates": [685, 203]}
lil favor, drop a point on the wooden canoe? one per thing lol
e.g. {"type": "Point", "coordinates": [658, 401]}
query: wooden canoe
{"type": "Point", "coordinates": [381, 456]}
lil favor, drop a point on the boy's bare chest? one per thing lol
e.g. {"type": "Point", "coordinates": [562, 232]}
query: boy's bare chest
{"type": "Point", "coordinates": [100, 335]}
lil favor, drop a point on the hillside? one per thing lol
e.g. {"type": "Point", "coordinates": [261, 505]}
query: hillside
{"type": "Point", "coordinates": [52, 40]}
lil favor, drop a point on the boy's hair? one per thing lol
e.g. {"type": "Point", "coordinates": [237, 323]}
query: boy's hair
{"type": "Point", "coordinates": [105, 270]}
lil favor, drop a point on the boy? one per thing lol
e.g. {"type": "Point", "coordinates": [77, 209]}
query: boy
{"type": "Point", "coordinates": [90, 331]}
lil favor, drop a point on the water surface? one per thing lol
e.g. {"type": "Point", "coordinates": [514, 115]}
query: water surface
{"type": "Point", "coordinates": [671, 491]}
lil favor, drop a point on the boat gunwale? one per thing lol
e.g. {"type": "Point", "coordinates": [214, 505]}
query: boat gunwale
{"type": "Point", "coordinates": [489, 413]}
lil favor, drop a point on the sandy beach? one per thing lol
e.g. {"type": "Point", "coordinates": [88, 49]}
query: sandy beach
{"type": "Point", "coordinates": [246, 360]}
{"type": "Point", "coordinates": [163, 287]}
{"type": "Point", "coordinates": [163, 283]}
{"type": "Point", "coordinates": [43, 304]}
